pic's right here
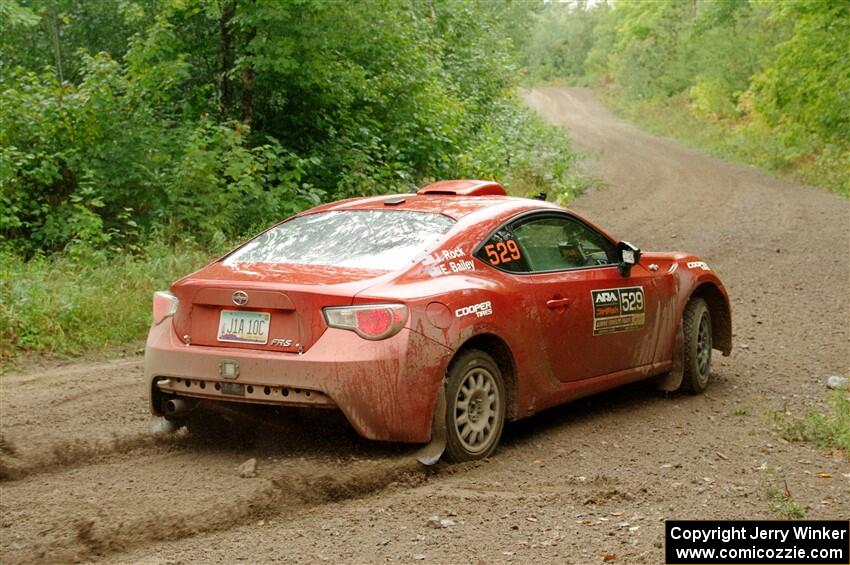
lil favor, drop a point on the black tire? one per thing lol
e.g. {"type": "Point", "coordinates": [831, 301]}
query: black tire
{"type": "Point", "coordinates": [696, 325]}
{"type": "Point", "coordinates": [476, 402]}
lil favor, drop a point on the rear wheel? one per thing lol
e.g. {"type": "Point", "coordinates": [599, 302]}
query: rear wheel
{"type": "Point", "coordinates": [475, 406]}
{"type": "Point", "coordinates": [696, 325]}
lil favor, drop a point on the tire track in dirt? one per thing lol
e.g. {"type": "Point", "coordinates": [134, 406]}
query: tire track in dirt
{"type": "Point", "coordinates": [83, 477]}
{"type": "Point", "coordinates": [78, 452]}
{"type": "Point", "coordinates": [76, 537]}
{"type": "Point", "coordinates": [86, 490]}
{"type": "Point", "coordinates": [64, 414]}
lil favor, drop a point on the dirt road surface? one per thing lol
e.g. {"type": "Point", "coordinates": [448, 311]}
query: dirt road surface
{"type": "Point", "coordinates": [575, 484]}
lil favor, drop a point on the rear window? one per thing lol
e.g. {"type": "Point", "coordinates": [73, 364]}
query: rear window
{"type": "Point", "coordinates": [385, 240]}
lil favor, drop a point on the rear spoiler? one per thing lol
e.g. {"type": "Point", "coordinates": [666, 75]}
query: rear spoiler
{"type": "Point", "coordinates": [463, 188]}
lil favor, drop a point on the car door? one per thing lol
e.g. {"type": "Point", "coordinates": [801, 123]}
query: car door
{"type": "Point", "coordinates": [593, 321]}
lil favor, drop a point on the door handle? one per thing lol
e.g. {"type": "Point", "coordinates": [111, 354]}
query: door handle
{"type": "Point", "coordinates": [557, 303]}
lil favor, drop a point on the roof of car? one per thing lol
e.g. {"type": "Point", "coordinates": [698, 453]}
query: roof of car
{"type": "Point", "coordinates": [455, 198]}
{"type": "Point", "coordinates": [449, 205]}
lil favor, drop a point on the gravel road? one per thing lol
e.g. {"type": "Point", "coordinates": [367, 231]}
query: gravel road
{"type": "Point", "coordinates": [584, 483]}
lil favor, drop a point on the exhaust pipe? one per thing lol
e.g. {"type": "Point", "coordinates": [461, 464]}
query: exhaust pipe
{"type": "Point", "coordinates": [174, 406]}
{"type": "Point", "coordinates": [170, 421]}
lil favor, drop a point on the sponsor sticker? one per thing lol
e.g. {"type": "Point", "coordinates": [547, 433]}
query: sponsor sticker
{"type": "Point", "coordinates": [618, 310]}
{"type": "Point", "coordinates": [480, 310]}
{"type": "Point", "coordinates": [502, 252]}
{"type": "Point", "coordinates": [699, 265]}
{"type": "Point", "coordinates": [448, 261]}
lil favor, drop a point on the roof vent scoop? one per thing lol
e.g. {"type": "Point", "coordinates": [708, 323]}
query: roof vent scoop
{"type": "Point", "coordinates": [464, 188]}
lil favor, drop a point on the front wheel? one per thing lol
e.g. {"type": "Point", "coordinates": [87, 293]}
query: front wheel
{"type": "Point", "coordinates": [696, 324]}
{"type": "Point", "coordinates": [475, 406]}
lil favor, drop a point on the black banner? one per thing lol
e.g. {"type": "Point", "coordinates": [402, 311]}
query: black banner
{"type": "Point", "coordinates": [753, 542]}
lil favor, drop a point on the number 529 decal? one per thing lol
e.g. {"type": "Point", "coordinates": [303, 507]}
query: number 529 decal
{"type": "Point", "coordinates": [618, 310]}
{"type": "Point", "coordinates": [502, 252]}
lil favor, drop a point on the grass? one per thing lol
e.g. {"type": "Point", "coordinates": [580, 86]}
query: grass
{"type": "Point", "coordinates": [783, 504]}
{"type": "Point", "coordinates": [781, 501]}
{"type": "Point", "coordinates": [740, 140]}
{"type": "Point", "coordinates": [827, 430]}
{"type": "Point", "coordinates": [69, 305]}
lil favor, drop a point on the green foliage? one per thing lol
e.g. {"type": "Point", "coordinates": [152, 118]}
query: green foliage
{"type": "Point", "coordinates": [51, 32]}
{"type": "Point", "coordinates": [561, 41]}
{"type": "Point", "coordinates": [808, 85]}
{"type": "Point", "coordinates": [828, 430]}
{"type": "Point", "coordinates": [768, 81]}
{"type": "Point", "coordinates": [784, 505]}
{"type": "Point", "coordinates": [527, 155]}
{"type": "Point", "coordinates": [98, 164]}
{"type": "Point", "coordinates": [13, 14]}
{"type": "Point", "coordinates": [129, 124]}
{"type": "Point", "coordinates": [205, 119]}
{"type": "Point", "coordinates": [67, 305]}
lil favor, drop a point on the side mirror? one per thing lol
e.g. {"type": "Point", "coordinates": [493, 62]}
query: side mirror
{"type": "Point", "coordinates": [629, 256]}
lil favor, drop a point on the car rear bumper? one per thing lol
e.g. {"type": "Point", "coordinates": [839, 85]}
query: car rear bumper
{"type": "Point", "coordinates": [387, 389]}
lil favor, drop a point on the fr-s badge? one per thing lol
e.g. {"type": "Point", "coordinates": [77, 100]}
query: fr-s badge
{"type": "Point", "coordinates": [618, 310]}
{"type": "Point", "coordinates": [281, 342]}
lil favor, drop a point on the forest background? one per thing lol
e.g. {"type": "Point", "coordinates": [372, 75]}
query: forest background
{"type": "Point", "coordinates": [139, 138]}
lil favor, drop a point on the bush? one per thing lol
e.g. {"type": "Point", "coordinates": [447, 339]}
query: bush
{"type": "Point", "coordinates": [68, 304]}
{"type": "Point", "coordinates": [710, 99]}
{"type": "Point", "coordinates": [96, 166]}
{"type": "Point", "coordinates": [185, 132]}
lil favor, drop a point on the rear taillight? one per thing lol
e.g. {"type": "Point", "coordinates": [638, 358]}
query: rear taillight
{"type": "Point", "coordinates": [164, 306]}
{"type": "Point", "coordinates": [373, 321]}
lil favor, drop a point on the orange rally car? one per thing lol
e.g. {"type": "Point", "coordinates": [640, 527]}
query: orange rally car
{"type": "Point", "coordinates": [432, 317]}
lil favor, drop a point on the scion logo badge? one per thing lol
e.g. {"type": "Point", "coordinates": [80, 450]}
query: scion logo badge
{"type": "Point", "coordinates": [240, 298]}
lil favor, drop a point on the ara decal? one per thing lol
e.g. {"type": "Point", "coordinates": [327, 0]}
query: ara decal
{"type": "Point", "coordinates": [618, 310]}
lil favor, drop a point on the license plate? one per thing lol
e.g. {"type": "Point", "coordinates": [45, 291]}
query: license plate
{"type": "Point", "coordinates": [233, 388]}
{"type": "Point", "coordinates": [237, 326]}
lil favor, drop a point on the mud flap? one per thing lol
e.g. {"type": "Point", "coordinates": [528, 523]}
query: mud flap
{"type": "Point", "coordinates": [673, 380]}
{"type": "Point", "coordinates": [432, 452]}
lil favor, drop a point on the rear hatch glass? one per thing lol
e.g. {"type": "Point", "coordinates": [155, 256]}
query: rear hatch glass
{"type": "Point", "coordinates": [285, 276]}
{"type": "Point", "coordinates": [385, 240]}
